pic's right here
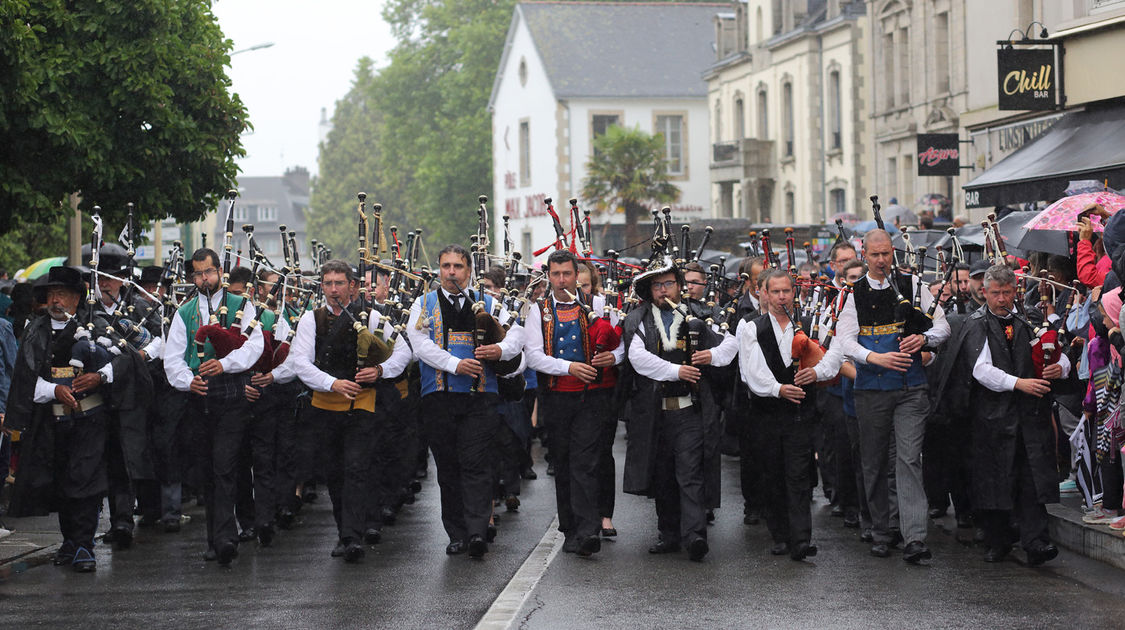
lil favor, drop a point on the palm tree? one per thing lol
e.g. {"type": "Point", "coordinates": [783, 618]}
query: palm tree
{"type": "Point", "coordinates": [628, 169]}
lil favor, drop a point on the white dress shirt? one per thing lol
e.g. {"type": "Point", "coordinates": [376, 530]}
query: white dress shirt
{"type": "Point", "coordinates": [752, 362]}
{"type": "Point", "coordinates": [648, 364]}
{"type": "Point", "coordinates": [533, 339]}
{"type": "Point", "coordinates": [847, 328]}
{"type": "Point", "coordinates": [433, 355]}
{"type": "Point", "coordinates": [302, 354]}
{"type": "Point", "coordinates": [45, 390]}
{"type": "Point", "coordinates": [239, 360]}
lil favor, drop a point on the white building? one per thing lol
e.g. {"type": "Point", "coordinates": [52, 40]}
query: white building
{"type": "Point", "coordinates": [571, 70]}
{"type": "Point", "coordinates": [789, 110]}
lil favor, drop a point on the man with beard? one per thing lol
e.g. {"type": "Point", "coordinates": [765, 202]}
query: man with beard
{"type": "Point", "coordinates": [667, 430]}
{"type": "Point", "coordinates": [577, 402]}
{"type": "Point", "coordinates": [63, 394]}
{"type": "Point", "coordinates": [1013, 466]}
{"type": "Point", "coordinates": [217, 408]}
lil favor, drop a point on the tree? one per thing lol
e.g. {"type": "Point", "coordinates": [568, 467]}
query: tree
{"type": "Point", "coordinates": [628, 168]}
{"type": "Point", "coordinates": [119, 100]}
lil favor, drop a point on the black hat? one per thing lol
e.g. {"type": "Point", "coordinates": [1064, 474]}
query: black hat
{"type": "Point", "coordinates": [979, 267]}
{"type": "Point", "coordinates": [112, 258]}
{"type": "Point", "coordinates": [151, 274]}
{"type": "Point", "coordinates": [68, 277]}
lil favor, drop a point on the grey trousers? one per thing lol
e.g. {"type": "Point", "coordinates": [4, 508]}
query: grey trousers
{"type": "Point", "coordinates": [901, 415]}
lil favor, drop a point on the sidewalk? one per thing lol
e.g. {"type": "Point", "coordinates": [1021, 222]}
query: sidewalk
{"type": "Point", "coordinates": [1098, 542]}
{"type": "Point", "coordinates": [33, 541]}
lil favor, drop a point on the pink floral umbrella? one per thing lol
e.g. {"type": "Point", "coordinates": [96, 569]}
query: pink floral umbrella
{"type": "Point", "coordinates": [1062, 216]}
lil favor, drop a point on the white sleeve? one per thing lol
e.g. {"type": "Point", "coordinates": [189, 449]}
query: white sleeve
{"type": "Point", "coordinates": [533, 347]}
{"type": "Point", "coordinates": [847, 331]}
{"type": "Point", "coordinates": [175, 368]}
{"type": "Point", "coordinates": [44, 390]}
{"type": "Point", "coordinates": [302, 353]}
{"type": "Point", "coordinates": [648, 364]}
{"type": "Point", "coordinates": [829, 366]}
{"type": "Point", "coordinates": [400, 354]}
{"type": "Point", "coordinates": [245, 356]}
{"type": "Point", "coordinates": [512, 344]}
{"type": "Point", "coordinates": [726, 351]}
{"type": "Point", "coordinates": [1064, 363]}
{"type": "Point", "coordinates": [154, 348]}
{"type": "Point", "coordinates": [752, 363]}
{"type": "Point", "coordinates": [991, 376]}
{"type": "Point", "coordinates": [425, 349]}
{"type": "Point", "coordinates": [940, 331]}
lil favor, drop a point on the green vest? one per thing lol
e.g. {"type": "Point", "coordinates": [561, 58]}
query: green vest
{"type": "Point", "coordinates": [189, 312]}
{"type": "Point", "coordinates": [267, 319]}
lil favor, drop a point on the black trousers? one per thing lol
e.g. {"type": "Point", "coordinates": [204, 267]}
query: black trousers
{"type": "Point", "coordinates": [460, 428]}
{"type": "Point", "coordinates": [749, 466]}
{"type": "Point", "coordinates": [219, 431]}
{"type": "Point", "coordinates": [607, 468]}
{"type": "Point", "coordinates": [122, 496]}
{"type": "Point", "coordinates": [575, 424]}
{"type": "Point", "coordinates": [848, 481]}
{"type": "Point", "coordinates": [1026, 508]}
{"type": "Point", "coordinates": [945, 467]}
{"type": "Point", "coordinates": [681, 511]}
{"type": "Point", "coordinates": [783, 446]}
{"type": "Point", "coordinates": [80, 476]}
{"type": "Point", "coordinates": [346, 442]}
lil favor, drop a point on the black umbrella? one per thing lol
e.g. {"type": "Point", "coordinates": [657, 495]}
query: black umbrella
{"type": "Point", "coordinates": [1050, 241]}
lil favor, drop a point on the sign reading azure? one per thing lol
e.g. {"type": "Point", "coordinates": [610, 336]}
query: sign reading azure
{"type": "Point", "coordinates": [1026, 79]}
{"type": "Point", "coordinates": [938, 154]}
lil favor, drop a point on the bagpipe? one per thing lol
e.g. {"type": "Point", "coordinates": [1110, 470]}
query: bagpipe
{"type": "Point", "coordinates": [915, 321]}
{"type": "Point", "coordinates": [223, 335]}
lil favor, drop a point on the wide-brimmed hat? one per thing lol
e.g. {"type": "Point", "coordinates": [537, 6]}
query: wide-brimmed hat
{"type": "Point", "coordinates": [113, 259]}
{"type": "Point", "coordinates": [151, 274]}
{"type": "Point", "coordinates": [68, 277]}
{"type": "Point", "coordinates": [658, 266]}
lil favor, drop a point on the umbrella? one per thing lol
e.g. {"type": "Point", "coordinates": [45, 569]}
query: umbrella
{"type": "Point", "coordinates": [867, 226]}
{"type": "Point", "coordinates": [847, 217]}
{"type": "Point", "coordinates": [1062, 215]}
{"type": "Point", "coordinates": [1020, 241]}
{"type": "Point", "coordinates": [921, 238]}
{"type": "Point", "coordinates": [40, 267]}
{"type": "Point", "coordinates": [904, 215]}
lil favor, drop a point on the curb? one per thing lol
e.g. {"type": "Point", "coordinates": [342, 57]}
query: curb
{"type": "Point", "coordinates": [1098, 542]}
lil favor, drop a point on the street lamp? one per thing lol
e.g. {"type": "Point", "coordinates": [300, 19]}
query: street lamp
{"type": "Point", "coordinates": [254, 47]}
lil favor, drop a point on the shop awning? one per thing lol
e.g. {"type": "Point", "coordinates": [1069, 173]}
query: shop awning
{"type": "Point", "coordinates": [1082, 145]}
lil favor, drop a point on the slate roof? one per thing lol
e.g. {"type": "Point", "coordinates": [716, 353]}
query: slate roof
{"type": "Point", "coordinates": [593, 49]}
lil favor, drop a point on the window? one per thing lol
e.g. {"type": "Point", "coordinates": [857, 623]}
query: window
{"type": "Point", "coordinates": [892, 180]}
{"type": "Point", "coordinates": [739, 118]}
{"type": "Point", "coordinates": [837, 201]}
{"type": "Point", "coordinates": [790, 208]}
{"type": "Point", "coordinates": [600, 124]}
{"type": "Point", "coordinates": [787, 108]}
{"type": "Point", "coordinates": [267, 213]}
{"type": "Point", "coordinates": [941, 53]}
{"type": "Point", "coordinates": [671, 127]}
{"type": "Point", "coordinates": [763, 115]}
{"type": "Point", "coordinates": [903, 45]}
{"type": "Point", "coordinates": [908, 170]}
{"type": "Point", "coordinates": [888, 71]}
{"type": "Point", "coordinates": [523, 71]}
{"type": "Point", "coordinates": [241, 213]}
{"type": "Point", "coordinates": [835, 140]}
{"type": "Point", "coordinates": [525, 153]}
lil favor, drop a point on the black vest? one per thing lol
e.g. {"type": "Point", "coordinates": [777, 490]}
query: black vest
{"type": "Point", "coordinates": [335, 344]}
{"type": "Point", "coordinates": [767, 342]}
{"type": "Point", "coordinates": [677, 354]}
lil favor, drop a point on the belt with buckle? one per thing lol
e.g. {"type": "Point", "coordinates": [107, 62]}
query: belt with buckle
{"type": "Point", "coordinates": [674, 403]}
{"type": "Point", "coordinates": [89, 403]}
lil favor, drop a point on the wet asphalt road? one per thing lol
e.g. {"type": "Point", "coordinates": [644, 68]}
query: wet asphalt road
{"type": "Point", "coordinates": [408, 581]}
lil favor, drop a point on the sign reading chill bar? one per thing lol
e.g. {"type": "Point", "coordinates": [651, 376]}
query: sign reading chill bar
{"type": "Point", "coordinates": [1026, 79]}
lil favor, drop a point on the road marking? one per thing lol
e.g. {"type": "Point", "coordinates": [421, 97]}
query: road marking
{"type": "Point", "coordinates": [502, 614]}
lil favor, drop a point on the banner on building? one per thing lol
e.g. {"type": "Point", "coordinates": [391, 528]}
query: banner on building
{"type": "Point", "coordinates": [938, 154]}
{"type": "Point", "coordinates": [1026, 79]}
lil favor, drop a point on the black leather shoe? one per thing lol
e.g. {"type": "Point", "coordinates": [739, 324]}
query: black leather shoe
{"type": "Point", "coordinates": [455, 548]}
{"type": "Point", "coordinates": [477, 546]}
{"type": "Point", "coordinates": [529, 474]}
{"type": "Point", "coordinates": [122, 537]}
{"type": "Point", "coordinates": [937, 512]}
{"type": "Point", "coordinates": [996, 554]}
{"type": "Point", "coordinates": [353, 552]}
{"type": "Point", "coordinates": [65, 554]}
{"type": "Point", "coordinates": [265, 535]}
{"type": "Point", "coordinates": [512, 503]}
{"type": "Point", "coordinates": [662, 546]}
{"type": "Point", "coordinates": [609, 532]}
{"type": "Point", "coordinates": [589, 546]}
{"type": "Point", "coordinates": [210, 555]}
{"type": "Point", "coordinates": [916, 551]}
{"type": "Point", "coordinates": [571, 544]}
{"type": "Point", "coordinates": [285, 519]}
{"type": "Point", "coordinates": [339, 549]}
{"type": "Point", "coordinates": [490, 533]}
{"type": "Point", "coordinates": [372, 536]}
{"type": "Point", "coordinates": [247, 534]}
{"type": "Point", "coordinates": [867, 536]}
{"type": "Point", "coordinates": [779, 549]}
{"type": "Point", "coordinates": [226, 552]}
{"type": "Point", "coordinates": [802, 550]}
{"type": "Point", "coordinates": [697, 549]}
{"type": "Point", "coordinates": [896, 538]}
{"type": "Point", "coordinates": [389, 516]}
{"type": "Point", "coordinates": [851, 521]}
{"type": "Point", "coordinates": [881, 550]}
{"type": "Point", "coordinates": [1038, 555]}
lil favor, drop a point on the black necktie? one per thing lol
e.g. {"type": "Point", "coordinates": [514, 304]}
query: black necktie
{"type": "Point", "coordinates": [456, 302]}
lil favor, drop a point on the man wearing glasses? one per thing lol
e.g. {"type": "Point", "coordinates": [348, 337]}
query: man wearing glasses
{"type": "Point", "coordinates": [217, 408]}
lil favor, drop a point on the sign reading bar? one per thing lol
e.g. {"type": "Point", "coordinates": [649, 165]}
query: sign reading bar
{"type": "Point", "coordinates": [938, 154]}
{"type": "Point", "coordinates": [1026, 79]}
